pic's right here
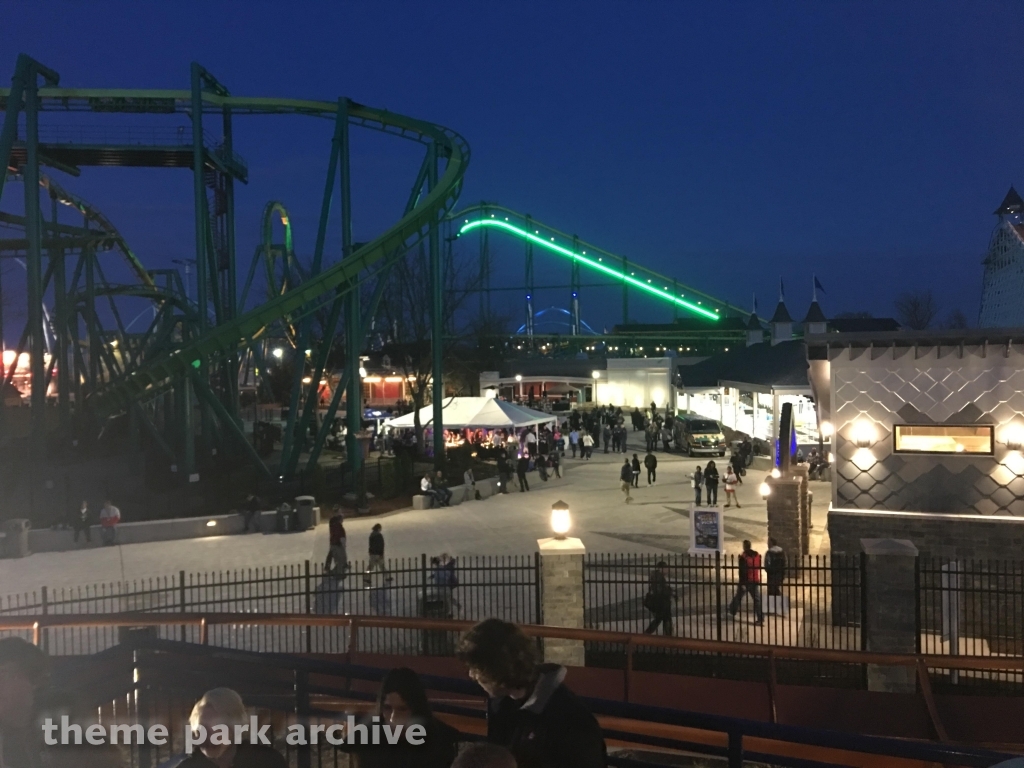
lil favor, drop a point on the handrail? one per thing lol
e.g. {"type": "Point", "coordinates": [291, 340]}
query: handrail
{"type": "Point", "coordinates": [768, 652]}
{"type": "Point", "coordinates": [659, 724]}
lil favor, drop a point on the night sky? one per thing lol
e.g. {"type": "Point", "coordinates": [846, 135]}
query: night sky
{"type": "Point", "coordinates": [724, 144]}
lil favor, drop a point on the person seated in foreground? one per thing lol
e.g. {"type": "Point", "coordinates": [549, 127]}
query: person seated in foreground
{"type": "Point", "coordinates": [529, 710]}
{"type": "Point", "coordinates": [402, 700]}
{"type": "Point", "coordinates": [484, 755]}
{"type": "Point", "coordinates": [223, 706]}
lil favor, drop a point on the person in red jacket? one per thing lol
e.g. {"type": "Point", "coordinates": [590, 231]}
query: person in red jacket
{"type": "Point", "coordinates": [750, 583]}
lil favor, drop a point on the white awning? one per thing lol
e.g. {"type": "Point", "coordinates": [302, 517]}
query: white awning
{"type": "Point", "coordinates": [476, 413]}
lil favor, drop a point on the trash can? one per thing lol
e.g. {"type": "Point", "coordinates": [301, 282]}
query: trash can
{"type": "Point", "coordinates": [305, 507]}
{"type": "Point", "coordinates": [16, 539]}
{"type": "Point", "coordinates": [436, 642]}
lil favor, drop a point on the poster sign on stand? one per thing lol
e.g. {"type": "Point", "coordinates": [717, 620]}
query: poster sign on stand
{"type": "Point", "coordinates": [706, 530]}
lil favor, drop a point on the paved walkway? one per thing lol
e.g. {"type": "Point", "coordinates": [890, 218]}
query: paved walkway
{"type": "Point", "coordinates": [656, 521]}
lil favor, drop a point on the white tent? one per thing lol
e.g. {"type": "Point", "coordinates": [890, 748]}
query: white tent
{"type": "Point", "coordinates": [476, 413]}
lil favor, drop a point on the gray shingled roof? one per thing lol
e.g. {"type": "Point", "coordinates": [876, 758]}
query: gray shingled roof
{"type": "Point", "coordinates": [778, 365]}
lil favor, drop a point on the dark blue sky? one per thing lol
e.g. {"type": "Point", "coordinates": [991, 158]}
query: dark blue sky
{"type": "Point", "coordinates": [725, 144]}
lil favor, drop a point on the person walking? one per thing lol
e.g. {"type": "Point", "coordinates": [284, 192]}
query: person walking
{"type": "Point", "coordinates": [698, 484]}
{"type": "Point", "coordinates": [623, 439]}
{"type": "Point", "coordinates": [81, 523]}
{"type": "Point", "coordinates": [775, 568]}
{"type": "Point", "coordinates": [711, 483]}
{"type": "Point", "coordinates": [376, 553]}
{"type": "Point", "coordinates": [635, 466]}
{"type": "Point", "coordinates": [574, 441]}
{"type": "Point", "coordinates": [626, 479]}
{"type": "Point", "coordinates": [556, 465]}
{"type": "Point", "coordinates": [110, 516]}
{"type": "Point", "coordinates": [731, 479]}
{"type": "Point", "coordinates": [504, 471]}
{"type": "Point", "coordinates": [337, 552]}
{"type": "Point", "coordinates": [651, 463]}
{"type": "Point", "coordinates": [658, 600]}
{"type": "Point", "coordinates": [522, 466]}
{"type": "Point", "coordinates": [606, 435]}
{"type": "Point", "coordinates": [750, 583]}
{"type": "Point", "coordinates": [252, 511]}
{"type": "Point", "coordinates": [588, 445]}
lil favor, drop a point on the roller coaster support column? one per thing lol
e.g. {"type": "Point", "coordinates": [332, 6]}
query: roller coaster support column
{"type": "Point", "coordinates": [529, 286]}
{"type": "Point", "coordinates": [33, 230]}
{"type": "Point", "coordinates": [60, 350]}
{"type": "Point", "coordinates": [574, 282]}
{"type": "Point", "coordinates": [354, 334]}
{"type": "Point", "coordinates": [436, 320]}
{"type": "Point", "coordinates": [291, 442]}
{"type": "Point", "coordinates": [202, 268]}
{"type": "Point", "coordinates": [230, 300]}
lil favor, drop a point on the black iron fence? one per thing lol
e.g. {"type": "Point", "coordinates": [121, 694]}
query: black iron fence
{"type": "Point", "coordinates": [815, 602]}
{"type": "Point", "coordinates": [506, 587]}
{"type": "Point", "coordinates": [971, 608]}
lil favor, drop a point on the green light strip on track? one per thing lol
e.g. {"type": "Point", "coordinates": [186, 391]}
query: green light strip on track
{"type": "Point", "coordinates": [555, 248]}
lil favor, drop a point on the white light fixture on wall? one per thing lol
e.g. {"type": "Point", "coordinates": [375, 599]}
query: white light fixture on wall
{"type": "Point", "coordinates": [1013, 435]}
{"type": "Point", "coordinates": [826, 429]}
{"type": "Point", "coordinates": [863, 433]}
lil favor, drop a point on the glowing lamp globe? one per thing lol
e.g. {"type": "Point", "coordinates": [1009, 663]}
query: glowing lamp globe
{"type": "Point", "coordinates": [776, 473]}
{"type": "Point", "coordinates": [561, 522]}
{"type": "Point", "coordinates": [765, 490]}
{"type": "Point", "coordinates": [826, 429]}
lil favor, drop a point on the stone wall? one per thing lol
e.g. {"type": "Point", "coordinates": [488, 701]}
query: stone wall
{"type": "Point", "coordinates": [562, 605]}
{"type": "Point", "coordinates": [934, 534]}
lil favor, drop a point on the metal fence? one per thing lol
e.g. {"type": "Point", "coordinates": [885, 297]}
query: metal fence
{"type": "Point", "coordinates": [817, 604]}
{"type": "Point", "coordinates": [971, 608]}
{"type": "Point", "coordinates": [506, 587]}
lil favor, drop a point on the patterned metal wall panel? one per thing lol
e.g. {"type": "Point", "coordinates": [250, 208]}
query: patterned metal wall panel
{"type": "Point", "coordinates": [883, 387]}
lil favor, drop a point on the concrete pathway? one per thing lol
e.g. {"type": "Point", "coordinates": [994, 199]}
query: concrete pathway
{"type": "Point", "coordinates": [657, 520]}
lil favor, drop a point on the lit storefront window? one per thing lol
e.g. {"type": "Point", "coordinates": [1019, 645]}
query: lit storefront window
{"type": "Point", "coordinates": [945, 438]}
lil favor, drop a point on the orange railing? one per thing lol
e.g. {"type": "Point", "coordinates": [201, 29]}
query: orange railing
{"type": "Point", "coordinates": [772, 654]}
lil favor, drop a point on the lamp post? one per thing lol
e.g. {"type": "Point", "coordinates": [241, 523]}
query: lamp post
{"type": "Point", "coordinates": [561, 521]}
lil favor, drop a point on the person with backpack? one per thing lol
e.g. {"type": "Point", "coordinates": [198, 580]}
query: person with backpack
{"type": "Point", "coordinates": [658, 600]}
{"type": "Point", "coordinates": [698, 484]}
{"type": "Point", "coordinates": [651, 463]}
{"type": "Point", "coordinates": [775, 568]}
{"type": "Point", "coordinates": [730, 487]}
{"type": "Point", "coordinates": [750, 583]}
{"type": "Point", "coordinates": [711, 483]}
{"type": "Point", "coordinates": [626, 479]}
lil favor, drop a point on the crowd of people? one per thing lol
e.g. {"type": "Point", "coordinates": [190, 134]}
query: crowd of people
{"type": "Point", "coordinates": [533, 719]}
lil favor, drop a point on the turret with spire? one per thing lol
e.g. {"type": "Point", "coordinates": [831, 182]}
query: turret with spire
{"type": "Point", "coordinates": [755, 332]}
{"type": "Point", "coordinates": [781, 323]}
{"type": "Point", "coordinates": [815, 322]}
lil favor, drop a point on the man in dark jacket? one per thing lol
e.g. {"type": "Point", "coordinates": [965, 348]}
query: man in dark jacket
{"type": "Point", "coordinates": [522, 467]}
{"type": "Point", "coordinates": [750, 583]}
{"type": "Point", "coordinates": [651, 462]}
{"type": "Point", "coordinates": [711, 483]}
{"type": "Point", "coordinates": [774, 568]}
{"type": "Point", "coordinates": [636, 471]}
{"type": "Point", "coordinates": [626, 479]}
{"type": "Point", "coordinates": [658, 600]}
{"type": "Point", "coordinates": [529, 710]}
{"type": "Point", "coordinates": [376, 554]}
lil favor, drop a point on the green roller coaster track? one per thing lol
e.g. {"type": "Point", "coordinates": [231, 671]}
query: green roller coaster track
{"type": "Point", "coordinates": [189, 363]}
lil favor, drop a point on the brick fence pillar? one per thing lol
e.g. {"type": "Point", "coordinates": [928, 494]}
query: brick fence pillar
{"type": "Point", "coordinates": [784, 522]}
{"type": "Point", "coordinates": [891, 610]}
{"type": "Point", "coordinates": [562, 597]}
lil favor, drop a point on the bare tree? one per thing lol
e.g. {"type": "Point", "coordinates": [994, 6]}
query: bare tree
{"type": "Point", "coordinates": [955, 320]}
{"type": "Point", "coordinates": [405, 310]}
{"type": "Point", "coordinates": [916, 310]}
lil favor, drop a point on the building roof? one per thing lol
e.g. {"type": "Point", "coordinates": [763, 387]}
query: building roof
{"type": "Point", "coordinates": [551, 366]}
{"type": "Point", "coordinates": [863, 324]}
{"type": "Point", "coordinates": [1011, 204]}
{"type": "Point", "coordinates": [766, 365]}
{"type": "Point", "coordinates": [476, 413]}
{"type": "Point", "coordinates": [781, 314]}
{"type": "Point", "coordinates": [814, 314]}
{"type": "Point", "coordinates": [753, 323]}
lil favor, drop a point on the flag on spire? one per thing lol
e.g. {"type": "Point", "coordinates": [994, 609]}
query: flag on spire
{"type": "Point", "coordinates": [782, 290]}
{"type": "Point", "coordinates": [818, 286]}
{"type": "Point", "coordinates": [755, 303]}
